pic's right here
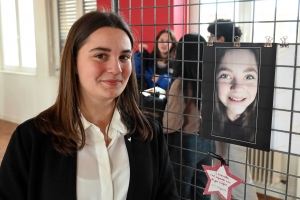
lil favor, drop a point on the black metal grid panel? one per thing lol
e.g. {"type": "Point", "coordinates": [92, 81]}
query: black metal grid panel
{"type": "Point", "coordinates": [275, 173]}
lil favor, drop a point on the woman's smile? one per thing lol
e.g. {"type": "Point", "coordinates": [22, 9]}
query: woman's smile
{"type": "Point", "coordinates": [235, 99]}
{"type": "Point", "coordinates": [112, 82]}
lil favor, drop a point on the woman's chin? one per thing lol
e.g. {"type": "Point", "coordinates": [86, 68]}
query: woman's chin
{"type": "Point", "coordinates": [234, 115]}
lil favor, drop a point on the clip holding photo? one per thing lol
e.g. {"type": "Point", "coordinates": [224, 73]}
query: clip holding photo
{"type": "Point", "coordinates": [268, 41]}
{"type": "Point", "coordinates": [210, 41]}
{"type": "Point", "coordinates": [236, 42]}
{"type": "Point", "coordinates": [284, 43]}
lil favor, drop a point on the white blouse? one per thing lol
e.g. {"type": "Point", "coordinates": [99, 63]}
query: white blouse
{"type": "Point", "coordinates": [103, 172]}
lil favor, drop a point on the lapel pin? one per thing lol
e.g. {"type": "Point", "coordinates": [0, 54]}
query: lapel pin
{"type": "Point", "coordinates": [129, 139]}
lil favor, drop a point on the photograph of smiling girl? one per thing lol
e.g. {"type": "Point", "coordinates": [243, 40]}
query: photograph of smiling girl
{"type": "Point", "coordinates": [237, 94]}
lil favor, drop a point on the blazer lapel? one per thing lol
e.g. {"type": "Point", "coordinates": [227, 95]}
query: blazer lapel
{"type": "Point", "coordinates": [128, 141]}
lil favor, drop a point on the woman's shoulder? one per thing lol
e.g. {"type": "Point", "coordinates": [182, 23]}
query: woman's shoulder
{"type": "Point", "coordinates": [28, 130]}
{"type": "Point", "coordinates": [156, 126]}
{"type": "Point", "coordinates": [27, 137]}
{"type": "Point", "coordinates": [175, 88]}
{"type": "Point", "coordinates": [176, 82]}
{"type": "Point", "coordinates": [29, 123]}
{"type": "Point", "coordinates": [26, 126]}
{"type": "Point", "coordinates": [158, 139]}
{"type": "Point", "coordinates": [154, 123]}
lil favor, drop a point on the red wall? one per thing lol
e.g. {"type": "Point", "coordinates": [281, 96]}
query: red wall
{"type": "Point", "coordinates": [147, 20]}
{"type": "Point", "coordinates": [179, 17]}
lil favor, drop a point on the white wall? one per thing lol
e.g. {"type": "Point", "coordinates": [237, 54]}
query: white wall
{"type": "Point", "coordinates": [24, 96]}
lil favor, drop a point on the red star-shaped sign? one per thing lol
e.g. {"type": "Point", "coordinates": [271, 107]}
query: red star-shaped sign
{"type": "Point", "coordinates": [220, 181]}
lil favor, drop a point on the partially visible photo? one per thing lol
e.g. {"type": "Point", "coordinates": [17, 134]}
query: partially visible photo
{"type": "Point", "coordinates": [236, 93]}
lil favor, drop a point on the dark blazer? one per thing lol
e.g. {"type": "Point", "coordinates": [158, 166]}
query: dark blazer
{"type": "Point", "coordinates": [33, 170]}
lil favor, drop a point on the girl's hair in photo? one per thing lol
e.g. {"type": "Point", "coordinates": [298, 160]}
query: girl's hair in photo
{"type": "Point", "coordinates": [188, 65]}
{"type": "Point", "coordinates": [172, 50]}
{"type": "Point", "coordinates": [248, 117]}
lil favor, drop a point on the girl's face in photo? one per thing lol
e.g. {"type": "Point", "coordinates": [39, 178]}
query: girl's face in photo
{"type": "Point", "coordinates": [104, 64]}
{"type": "Point", "coordinates": [164, 43]}
{"type": "Point", "coordinates": [237, 79]}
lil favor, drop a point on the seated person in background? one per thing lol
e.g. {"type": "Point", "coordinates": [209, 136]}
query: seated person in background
{"type": "Point", "coordinates": [224, 30]}
{"type": "Point", "coordinates": [225, 33]}
{"type": "Point", "coordinates": [182, 120]}
{"type": "Point", "coordinates": [157, 66]}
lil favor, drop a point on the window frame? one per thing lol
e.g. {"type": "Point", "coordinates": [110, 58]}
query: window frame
{"type": "Point", "coordinates": [20, 69]}
{"type": "Point", "coordinates": [54, 25]}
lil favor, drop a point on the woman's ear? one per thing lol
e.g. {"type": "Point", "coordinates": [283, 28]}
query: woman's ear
{"type": "Point", "coordinates": [221, 39]}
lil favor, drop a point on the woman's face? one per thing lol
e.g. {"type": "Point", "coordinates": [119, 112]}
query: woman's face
{"type": "Point", "coordinates": [104, 64]}
{"type": "Point", "coordinates": [237, 79]}
{"type": "Point", "coordinates": [164, 43]}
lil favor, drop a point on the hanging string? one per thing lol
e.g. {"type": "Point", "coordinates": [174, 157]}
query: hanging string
{"type": "Point", "coordinates": [223, 161]}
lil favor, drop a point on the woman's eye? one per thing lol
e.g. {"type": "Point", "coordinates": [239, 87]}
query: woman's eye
{"type": "Point", "coordinates": [249, 77]}
{"type": "Point", "coordinates": [163, 41]}
{"type": "Point", "coordinates": [224, 76]}
{"type": "Point", "coordinates": [125, 57]}
{"type": "Point", "coordinates": [101, 56]}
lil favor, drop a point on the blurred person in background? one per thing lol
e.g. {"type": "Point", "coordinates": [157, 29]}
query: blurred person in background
{"type": "Point", "coordinates": [181, 120]}
{"type": "Point", "coordinates": [224, 30]}
{"type": "Point", "coordinates": [158, 65]}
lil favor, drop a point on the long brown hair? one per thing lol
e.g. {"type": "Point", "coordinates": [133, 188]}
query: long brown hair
{"type": "Point", "coordinates": [62, 120]}
{"type": "Point", "coordinates": [188, 65]}
{"type": "Point", "coordinates": [172, 50]}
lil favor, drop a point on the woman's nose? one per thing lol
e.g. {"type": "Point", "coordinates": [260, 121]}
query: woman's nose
{"type": "Point", "coordinates": [114, 66]}
{"type": "Point", "coordinates": [236, 86]}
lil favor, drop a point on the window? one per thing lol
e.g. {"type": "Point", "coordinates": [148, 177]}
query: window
{"type": "Point", "coordinates": [69, 11]}
{"type": "Point", "coordinates": [206, 12]}
{"type": "Point", "coordinates": [17, 36]}
{"type": "Point", "coordinates": [64, 13]}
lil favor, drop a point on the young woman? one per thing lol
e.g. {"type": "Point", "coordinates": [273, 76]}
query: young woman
{"type": "Point", "coordinates": [182, 120]}
{"type": "Point", "coordinates": [235, 109]}
{"type": "Point", "coordinates": [93, 142]}
{"type": "Point", "coordinates": [157, 66]}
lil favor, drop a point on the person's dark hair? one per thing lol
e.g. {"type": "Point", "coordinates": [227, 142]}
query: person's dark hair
{"type": "Point", "coordinates": [188, 65]}
{"type": "Point", "coordinates": [62, 120]}
{"type": "Point", "coordinates": [172, 51]}
{"type": "Point", "coordinates": [248, 117]}
{"type": "Point", "coordinates": [225, 28]}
